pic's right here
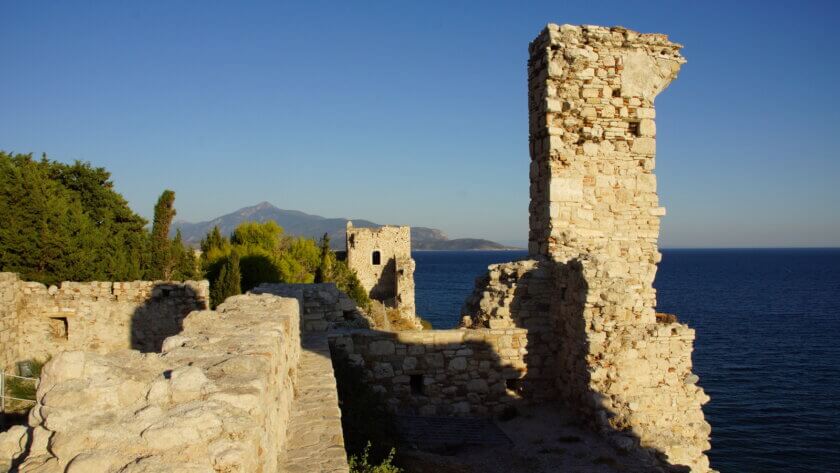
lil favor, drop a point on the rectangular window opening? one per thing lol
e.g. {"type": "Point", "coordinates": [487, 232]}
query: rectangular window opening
{"type": "Point", "coordinates": [416, 382]}
{"type": "Point", "coordinates": [377, 258]}
{"type": "Point", "coordinates": [633, 128]}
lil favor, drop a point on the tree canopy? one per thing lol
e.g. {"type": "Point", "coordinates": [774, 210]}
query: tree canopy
{"type": "Point", "coordinates": [66, 222]}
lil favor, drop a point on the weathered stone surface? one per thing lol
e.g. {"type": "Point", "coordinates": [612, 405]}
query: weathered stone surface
{"type": "Point", "coordinates": [95, 316]}
{"type": "Point", "coordinates": [381, 258]}
{"type": "Point", "coordinates": [219, 399]}
{"type": "Point", "coordinates": [594, 226]}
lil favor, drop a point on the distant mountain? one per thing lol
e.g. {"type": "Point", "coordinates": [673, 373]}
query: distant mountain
{"type": "Point", "coordinates": [302, 224]}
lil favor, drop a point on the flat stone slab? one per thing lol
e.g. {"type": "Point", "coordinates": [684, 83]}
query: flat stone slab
{"type": "Point", "coordinates": [314, 435]}
{"type": "Point", "coordinates": [446, 432]}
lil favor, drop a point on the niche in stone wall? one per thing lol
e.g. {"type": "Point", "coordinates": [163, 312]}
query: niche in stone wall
{"type": "Point", "coordinates": [59, 328]}
{"type": "Point", "coordinates": [415, 381]}
{"type": "Point", "coordinates": [376, 258]}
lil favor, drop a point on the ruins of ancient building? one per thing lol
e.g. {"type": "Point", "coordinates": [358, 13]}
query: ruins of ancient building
{"type": "Point", "coordinates": [382, 260]}
{"type": "Point", "coordinates": [250, 386]}
{"type": "Point", "coordinates": [37, 321]}
{"type": "Point", "coordinates": [594, 224]}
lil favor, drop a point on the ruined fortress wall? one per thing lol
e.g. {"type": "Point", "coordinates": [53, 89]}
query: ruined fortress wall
{"type": "Point", "coordinates": [392, 244]}
{"type": "Point", "coordinates": [440, 372]}
{"type": "Point", "coordinates": [9, 321]}
{"type": "Point", "coordinates": [218, 398]}
{"type": "Point", "coordinates": [96, 316]}
{"type": "Point", "coordinates": [323, 306]}
{"type": "Point", "coordinates": [594, 217]}
{"type": "Point", "coordinates": [405, 284]}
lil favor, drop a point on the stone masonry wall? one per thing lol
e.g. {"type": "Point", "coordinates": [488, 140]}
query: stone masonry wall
{"type": "Point", "coordinates": [9, 321]}
{"type": "Point", "coordinates": [218, 398]}
{"type": "Point", "coordinates": [324, 307]}
{"type": "Point", "coordinates": [96, 316]}
{"type": "Point", "coordinates": [381, 280]}
{"type": "Point", "coordinates": [440, 372]}
{"type": "Point", "coordinates": [594, 225]}
{"type": "Point", "coordinates": [518, 295]}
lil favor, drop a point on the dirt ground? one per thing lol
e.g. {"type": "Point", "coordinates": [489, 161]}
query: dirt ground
{"type": "Point", "coordinates": [544, 440]}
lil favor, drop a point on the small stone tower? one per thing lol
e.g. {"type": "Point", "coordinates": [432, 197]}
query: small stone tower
{"type": "Point", "coordinates": [382, 260]}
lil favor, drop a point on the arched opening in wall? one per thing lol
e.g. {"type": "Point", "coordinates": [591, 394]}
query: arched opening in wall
{"type": "Point", "coordinates": [376, 258]}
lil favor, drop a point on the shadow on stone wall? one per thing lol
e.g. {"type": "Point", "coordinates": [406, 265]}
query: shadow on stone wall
{"type": "Point", "coordinates": [162, 315]}
{"type": "Point", "coordinates": [575, 358]}
{"type": "Point", "coordinates": [549, 303]}
{"type": "Point", "coordinates": [385, 289]}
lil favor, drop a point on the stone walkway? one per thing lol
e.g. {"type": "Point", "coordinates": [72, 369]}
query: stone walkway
{"type": "Point", "coordinates": [315, 442]}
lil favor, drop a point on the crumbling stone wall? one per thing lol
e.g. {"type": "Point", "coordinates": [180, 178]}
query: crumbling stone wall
{"type": "Point", "coordinates": [440, 372]}
{"type": "Point", "coordinates": [96, 316]}
{"type": "Point", "coordinates": [324, 306]}
{"type": "Point", "coordinates": [218, 398]}
{"type": "Point", "coordinates": [519, 294]}
{"type": "Point", "coordinates": [594, 224]}
{"type": "Point", "coordinates": [9, 321]}
{"type": "Point", "coordinates": [382, 260]}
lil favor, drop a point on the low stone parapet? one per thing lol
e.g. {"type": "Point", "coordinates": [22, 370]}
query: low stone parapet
{"type": "Point", "coordinates": [440, 372]}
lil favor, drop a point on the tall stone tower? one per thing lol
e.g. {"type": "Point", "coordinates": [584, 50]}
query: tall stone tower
{"type": "Point", "coordinates": [586, 296]}
{"type": "Point", "coordinates": [593, 146]}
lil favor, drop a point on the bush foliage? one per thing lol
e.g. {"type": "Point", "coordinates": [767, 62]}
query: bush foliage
{"type": "Point", "coordinates": [267, 255]}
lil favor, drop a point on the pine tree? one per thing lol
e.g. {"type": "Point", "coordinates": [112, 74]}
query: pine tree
{"type": "Point", "coordinates": [161, 267]}
{"type": "Point", "coordinates": [324, 271]}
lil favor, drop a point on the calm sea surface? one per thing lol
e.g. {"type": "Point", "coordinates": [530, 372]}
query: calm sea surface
{"type": "Point", "coordinates": [767, 349]}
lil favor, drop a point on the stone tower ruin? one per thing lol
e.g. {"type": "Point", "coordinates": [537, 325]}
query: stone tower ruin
{"type": "Point", "coordinates": [382, 260]}
{"type": "Point", "coordinates": [586, 295]}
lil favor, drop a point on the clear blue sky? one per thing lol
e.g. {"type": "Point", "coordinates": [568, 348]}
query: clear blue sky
{"type": "Point", "coordinates": [416, 112]}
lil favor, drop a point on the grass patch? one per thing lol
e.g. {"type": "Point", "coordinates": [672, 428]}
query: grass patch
{"type": "Point", "coordinates": [362, 464]}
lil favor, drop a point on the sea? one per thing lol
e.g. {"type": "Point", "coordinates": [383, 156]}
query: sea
{"type": "Point", "coordinates": [767, 348]}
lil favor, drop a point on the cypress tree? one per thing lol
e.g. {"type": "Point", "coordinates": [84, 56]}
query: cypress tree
{"type": "Point", "coordinates": [324, 271]}
{"type": "Point", "coordinates": [213, 241]}
{"type": "Point", "coordinates": [185, 264]}
{"type": "Point", "coordinates": [161, 267]}
{"type": "Point", "coordinates": [229, 282]}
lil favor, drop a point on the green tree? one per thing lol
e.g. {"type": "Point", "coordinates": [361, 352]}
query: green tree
{"type": "Point", "coordinates": [185, 264]}
{"type": "Point", "coordinates": [325, 265]}
{"type": "Point", "coordinates": [229, 281]}
{"type": "Point", "coordinates": [265, 236]}
{"type": "Point", "coordinates": [161, 250]}
{"type": "Point", "coordinates": [65, 222]}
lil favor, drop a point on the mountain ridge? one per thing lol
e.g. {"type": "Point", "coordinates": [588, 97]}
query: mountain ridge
{"type": "Point", "coordinates": [297, 223]}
